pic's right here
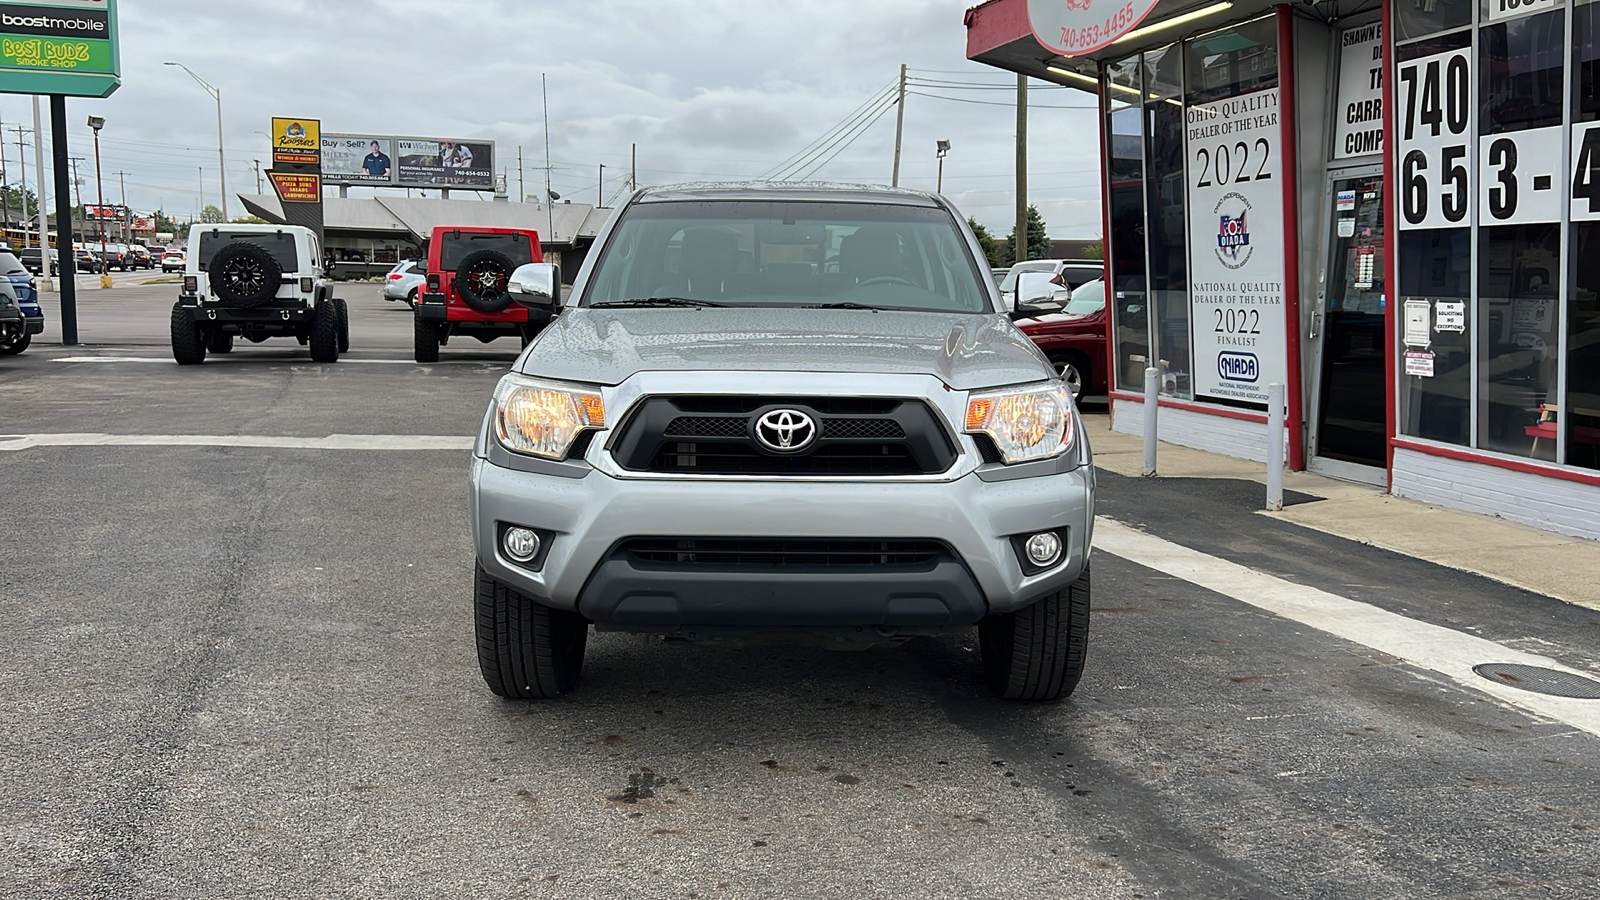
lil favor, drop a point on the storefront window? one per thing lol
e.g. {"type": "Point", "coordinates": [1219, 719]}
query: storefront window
{"type": "Point", "coordinates": [1518, 335]}
{"type": "Point", "coordinates": [1581, 416]}
{"type": "Point", "coordinates": [1164, 193]}
{"type": "Point", "coordinates": [1522, 73]}
{"type": "Point", "coordinates": [1436, 351]}
{"type": "Point", "coordinates": [1420, 18]}
{"type": "Point", "coordinates": [1233, 61]}
{"type": "Point", "coordinates": [1125, 170]}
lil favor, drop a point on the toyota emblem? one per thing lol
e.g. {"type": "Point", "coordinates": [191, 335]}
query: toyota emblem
{"type": "Point", "coordinates": [786, 430]}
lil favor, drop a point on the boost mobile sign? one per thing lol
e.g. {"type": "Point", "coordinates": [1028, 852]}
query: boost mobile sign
{"type": "Point", "coordinates": [66, 47]}
{"type": "Point", "coordinates": [1236, 265]}
{"type": "Point", "coordinates": [1071, 27]}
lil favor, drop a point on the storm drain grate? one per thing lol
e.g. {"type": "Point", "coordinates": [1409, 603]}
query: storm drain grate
{"type": "Point", "coordinates": [1540, 680]}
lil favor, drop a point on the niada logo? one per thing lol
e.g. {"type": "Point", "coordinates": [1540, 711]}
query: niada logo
{"type": "Point", "coordinates": [1238, 367]}
{"type": "Point", "coordinates": [1233, 230]}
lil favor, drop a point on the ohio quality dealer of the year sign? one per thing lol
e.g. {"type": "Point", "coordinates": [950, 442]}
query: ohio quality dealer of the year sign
{"type": "Point", "coordinates": [1236, 248]}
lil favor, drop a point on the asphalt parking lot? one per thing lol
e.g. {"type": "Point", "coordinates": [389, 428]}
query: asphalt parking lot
{"type": "Point", "coordinates": [241, 671]}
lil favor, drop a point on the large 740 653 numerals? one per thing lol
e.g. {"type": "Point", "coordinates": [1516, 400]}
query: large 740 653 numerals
{"type": "Point", "coordinates": [1435, 115]}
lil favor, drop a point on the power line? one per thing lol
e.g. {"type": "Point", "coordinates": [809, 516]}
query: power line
{"type": "Point", "coordinates": [1000, 103]}
{"type": "Point", "coordinates": [883, 110]}
{"type": "Point", "coordinates": [827, 140]}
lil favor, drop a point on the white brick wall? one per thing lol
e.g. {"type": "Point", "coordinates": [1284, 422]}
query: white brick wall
{"type": "Point", "coordinates": [1552, 504]}
{"type": "Point", "coordinates": [1202, 431]}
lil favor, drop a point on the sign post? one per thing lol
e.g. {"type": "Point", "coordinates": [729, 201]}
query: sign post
{"type": "Point", "coordinates": [60, 48]}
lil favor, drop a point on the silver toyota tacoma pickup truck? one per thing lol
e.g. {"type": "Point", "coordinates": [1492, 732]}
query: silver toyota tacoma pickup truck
{"type": "Point", "coordinates": [790, 408]}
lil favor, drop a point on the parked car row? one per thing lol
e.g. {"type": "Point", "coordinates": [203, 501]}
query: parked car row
{"type": "Point", "coordinates": [17, 283]}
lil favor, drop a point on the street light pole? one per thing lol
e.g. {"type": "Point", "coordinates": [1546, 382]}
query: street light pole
{"type": "Point", "coordinates": [222, 162]}
{"type": "Point", "coordinates": [97, 123]}
{"type": "Point", "coordinates": [943, 147]}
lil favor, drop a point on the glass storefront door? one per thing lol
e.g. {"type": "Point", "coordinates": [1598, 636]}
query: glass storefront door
{"type": "Point", "coordinates": [1349, 423]}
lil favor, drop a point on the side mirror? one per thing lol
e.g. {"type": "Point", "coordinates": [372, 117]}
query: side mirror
{"type": "Point", "coordinates": [1035, 295]}
{"type": "Point", "coordinates": [536, 283]}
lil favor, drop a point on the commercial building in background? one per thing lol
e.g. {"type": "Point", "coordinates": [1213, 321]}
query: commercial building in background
{"type": "Point", "coordinates": [367, 236]}
{"type": "Point", "coordinates": [1392, 208]}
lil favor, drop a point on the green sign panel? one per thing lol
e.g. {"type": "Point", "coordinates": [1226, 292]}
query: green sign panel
{"type": "Point", "coordinates": [59, 47]}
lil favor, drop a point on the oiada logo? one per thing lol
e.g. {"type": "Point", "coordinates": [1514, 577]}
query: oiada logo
{"type": "Point", "coordinates": [1078, 4]}
{"type": "Point", "coordinates": [1238, 367]}
{"type": "Point", "coordinates": [1233, 230]}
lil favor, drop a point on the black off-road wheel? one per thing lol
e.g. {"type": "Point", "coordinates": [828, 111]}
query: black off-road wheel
{"type": "Point", "coordinates": [15, 343]}
{"type": "Point", "coordinates": [244, 274]}
{"type": "Point", "coordinates": [187, 346]}
{"type": "Point", "coordinates": [219, 342]}
{"type": "Point", "coordinates": [427, 341]}
{"type": "Point", "coordinates": [325, 333]}
{"type": "Point", "coordinates": [1037, 652]}
{"type": "Point", "coordinates": [344, 324]}
{"type": "Point", "coordinates": [526, 650]}
{"type": "Point", "coordinates": [482, 278]}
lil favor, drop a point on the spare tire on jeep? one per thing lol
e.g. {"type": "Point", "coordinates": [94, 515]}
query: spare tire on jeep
{"type": "Point", "coordinates": [481, 280]}
{"type": "Point", "coordinates": [244, 274]}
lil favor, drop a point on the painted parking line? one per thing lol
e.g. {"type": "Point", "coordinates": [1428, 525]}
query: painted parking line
{"type": "Point", "coordinates": [1443, 650]}
{"type": "Point", "coordinates": [331, 442]}
{"type": "Point", "coordinates": [167, 360]}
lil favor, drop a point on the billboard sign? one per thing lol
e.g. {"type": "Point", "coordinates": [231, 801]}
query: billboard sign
{"type": "Point", "coordinates": [296, 187]}
{"type": "Point", "coordinates": [444, 163]}
{"type": "Point", "coordinates": [107, 213]}
{"type": "Point", "coordinates": [296, 141]}
{"type": "Point", "coordinates": [64, 47]}
{"type": "Point", "coordinates": [358, 159]}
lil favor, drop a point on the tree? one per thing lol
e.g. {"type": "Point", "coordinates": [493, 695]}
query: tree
{"type": "Point", "coordinates": [1096, 250]}
{"type": "Point", "coordinates": [250, 220]}
{"type": "Point", "coordinates": [211, 215]}
{"type": "Point", "coordinates": [991, 247]}
{"type": "Point", "coordinates": [23, 202]}
{"type": "Point", "coordinates": [1038, 241]}
{"type": "Point", "coordinates": [166, 224]}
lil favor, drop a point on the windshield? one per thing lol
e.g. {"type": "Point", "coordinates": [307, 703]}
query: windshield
{"type": "Point", "coordinates": [1010, 282]}
{"type": "Point", "coordinates": [10, 265]}
{"type": "Point", "coordinates": [1087, 298]}
{"type": "Point", "coordinates": [788, 254]}
{"type": "Point", "coordinates": [278, 243]}
{"type": "Point", "coordinates": [457, 245]}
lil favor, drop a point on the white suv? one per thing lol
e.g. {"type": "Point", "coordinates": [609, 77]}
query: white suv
{"type": "Point", "coordinates": [256, 281]}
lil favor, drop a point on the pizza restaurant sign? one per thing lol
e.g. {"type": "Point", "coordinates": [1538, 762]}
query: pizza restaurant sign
{"type": "Point", "coordinates": [1072, 27]}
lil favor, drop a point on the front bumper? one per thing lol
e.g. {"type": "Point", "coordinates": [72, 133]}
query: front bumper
{"type": "Point", "coordinates": [588, 508]}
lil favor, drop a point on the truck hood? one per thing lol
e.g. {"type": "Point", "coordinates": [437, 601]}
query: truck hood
{"type": "Point", "coordinates": [604, 346]}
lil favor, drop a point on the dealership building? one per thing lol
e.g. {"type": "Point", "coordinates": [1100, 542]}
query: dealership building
{"type": "Point", "coordinates": [1391, 207]}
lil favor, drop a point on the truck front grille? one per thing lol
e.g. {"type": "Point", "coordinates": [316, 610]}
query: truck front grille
{"type": "Point", "coordinates": [725, 553]}
{"type": "Point", "coordinates": [715, 435]}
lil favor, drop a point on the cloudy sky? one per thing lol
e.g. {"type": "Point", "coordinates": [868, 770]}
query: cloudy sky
{"type": "Point", "coordinates": [713, 89]}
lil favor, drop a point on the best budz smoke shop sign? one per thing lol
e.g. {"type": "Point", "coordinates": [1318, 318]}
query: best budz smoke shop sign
{"type": "Point", "coordinates": [64, 47]}
{"type": "Point", "coordinates": [1236, 265]}
{"type": "Point", "coordinates": [1070, 27]}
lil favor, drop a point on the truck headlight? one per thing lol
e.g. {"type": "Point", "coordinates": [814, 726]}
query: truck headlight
{"type": "Point", "coordinates": [543, 418]}
{"type": "Point", "coordinates": [1025, 423]}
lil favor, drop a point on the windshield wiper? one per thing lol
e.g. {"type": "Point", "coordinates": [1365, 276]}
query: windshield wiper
{"type": "Point", "coordinates": [846, 304]}
{"type": "Point", "coordinates": [656, 301]}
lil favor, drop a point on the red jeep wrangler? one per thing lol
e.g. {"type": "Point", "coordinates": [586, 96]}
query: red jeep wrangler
{"type": "Point", "coordinates": [466, 293]}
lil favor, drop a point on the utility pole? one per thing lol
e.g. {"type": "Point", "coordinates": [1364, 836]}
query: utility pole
{"type": "Point", "coordinates": [899, 126]}
{"type": "Point", "coordinates": [77, 196]}
{"type": "Point", "coordinates": [600, 188]}
{"type": "Point", "coordinates": [549, 195]}
{"type": "Point", "coordinates": [127, 227]}
{"type": "Point", "coordinates": [22, 197]}
{"type": "Point", "coordinates": [258, 174]}
{"type": "Point", "coordinates": [45, 283]}
{"type": "Point", "coordinates": [1019, 250]}
{"type": "Point", "coordinates": [633, 168]}
{"type": "Point", "coordinates": [5, 186]}
{"type": "Point", "coordinates": [522, 192]}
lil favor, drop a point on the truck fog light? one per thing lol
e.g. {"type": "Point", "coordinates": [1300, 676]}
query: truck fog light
{"type": "Point", "coordinates": [1044, 548]}
{"type": "Point", "coordinates": [521, 544]}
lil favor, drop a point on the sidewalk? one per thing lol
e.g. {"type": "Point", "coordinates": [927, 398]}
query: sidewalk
{"type": "Point", "coordinates": [1555, 565]}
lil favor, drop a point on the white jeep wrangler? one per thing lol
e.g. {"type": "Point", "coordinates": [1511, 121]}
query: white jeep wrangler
{"type": "Point", "coordinates": [256, 281]}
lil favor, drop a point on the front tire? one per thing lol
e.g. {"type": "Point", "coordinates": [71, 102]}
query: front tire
{"type": "Point", "coordinates": [16, 344]}
{"type": "Point", "coordinates": [325, 333]}
{"type": "Point", "coordinates": [426, 341]}
{"type": "Point", "coordinates": [187, 347]}
{"type": "Point", "coordinates": [526, 651]}
{"type": "Point", "coordinates": [344, 324]}
{"type": "Point", "coordinates": [1037, 652]}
